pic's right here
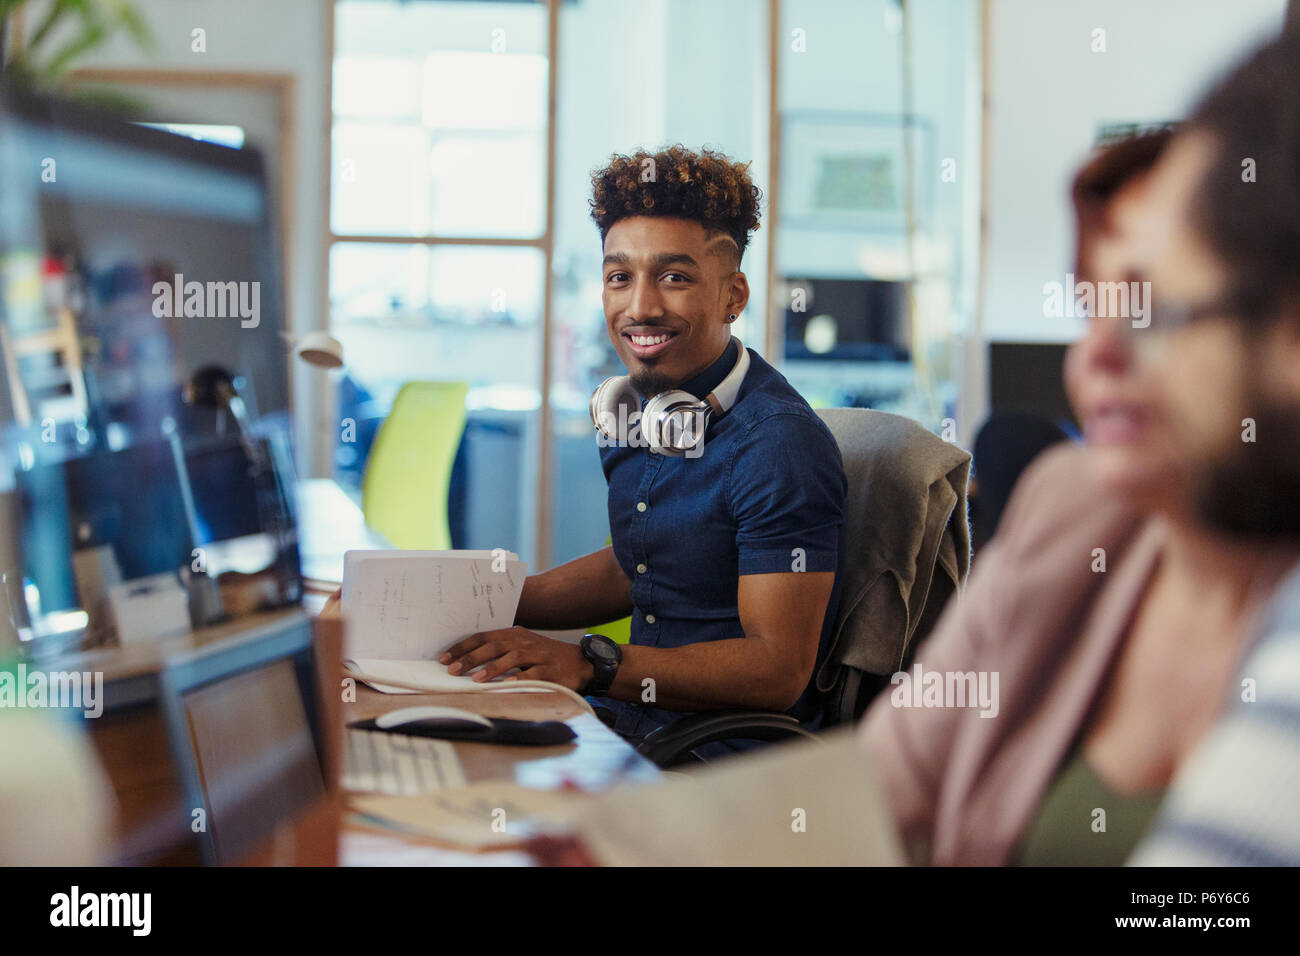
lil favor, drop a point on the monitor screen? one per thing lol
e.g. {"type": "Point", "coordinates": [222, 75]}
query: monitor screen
{"type": "Point", "coordinates": [847, 320]}
{"type": "Point", "coordinates": [144, 384]}
{"type": "Point", "coordinates": [1030, 377]}
{"type": "Point", "coordinates": [220, 503]}
{"type": "Point", "coordinates": [130, 259]}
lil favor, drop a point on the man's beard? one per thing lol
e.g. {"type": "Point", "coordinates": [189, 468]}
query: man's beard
{"type": "Point", "coordinates": [1253, 491]}
{"type": "Point", "coordinates": [650, 383]}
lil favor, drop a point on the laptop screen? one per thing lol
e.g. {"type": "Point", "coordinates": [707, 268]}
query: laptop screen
{"type": "Point", "coordinates": [256, 757]}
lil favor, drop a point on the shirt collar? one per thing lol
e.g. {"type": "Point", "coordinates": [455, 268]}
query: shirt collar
{"type": "Point", "coordinates": [700, 385]}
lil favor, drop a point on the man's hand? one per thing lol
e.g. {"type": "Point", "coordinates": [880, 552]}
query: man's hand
{"type": "Point", "coordinates": [537, 657]}
{"type": "Point", "coordinates": [334, 606]}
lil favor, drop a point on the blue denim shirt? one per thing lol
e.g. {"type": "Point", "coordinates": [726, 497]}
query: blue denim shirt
{"type": "Point", "coordinates": [766, 495]}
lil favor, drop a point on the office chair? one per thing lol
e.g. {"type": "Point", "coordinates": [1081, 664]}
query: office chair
{"type": "Point", "coordinates": [1005, 445]}
{"type": "Point", "coordinates": [907, 553]}
{"type": "Point", "coordinates": [404, 493]}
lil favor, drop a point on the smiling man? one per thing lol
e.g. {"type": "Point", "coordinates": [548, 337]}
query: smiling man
{"type": "Point", "coordinates": [725, 505]}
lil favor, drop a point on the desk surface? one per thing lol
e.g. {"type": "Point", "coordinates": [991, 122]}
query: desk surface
{"type": "Point", "coordinates": [595, 760]}
{"type": "Point", "coordinates": [329, 523]}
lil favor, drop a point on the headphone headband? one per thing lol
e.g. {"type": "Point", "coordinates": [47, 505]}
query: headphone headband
{"type": "Point", "coordinates": [728, 389]}
{"type": "Point", "coordinates": [672, 422]}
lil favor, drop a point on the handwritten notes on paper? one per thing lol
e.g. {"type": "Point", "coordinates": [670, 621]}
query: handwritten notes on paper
{"type": "Point", "coordinates": [410, 605]}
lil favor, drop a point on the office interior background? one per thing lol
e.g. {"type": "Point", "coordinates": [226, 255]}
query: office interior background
{"type": "Point", "coordinates": [416, 215]}
{"type": "Point", "coordinates": [430, 167]}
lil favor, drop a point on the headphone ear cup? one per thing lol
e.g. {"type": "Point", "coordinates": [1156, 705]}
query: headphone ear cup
{"type": "Point", "coordinates": [652, 415]}
{"type": "Point", "coordinates": [605, 402]}
{"type": "Point", "coordinates": [649, 423]}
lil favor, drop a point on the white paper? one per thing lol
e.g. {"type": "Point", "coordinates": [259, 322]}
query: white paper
{"type": "Point", "coordinates": [430, 675]}
{"type": "Point", "coordinates": [411, 605]}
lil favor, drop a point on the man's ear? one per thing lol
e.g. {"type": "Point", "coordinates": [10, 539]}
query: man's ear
{"type": "Point", "coordinates": [739, 297]}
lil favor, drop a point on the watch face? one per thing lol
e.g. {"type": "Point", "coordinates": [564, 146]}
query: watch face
{"type": "Point", "coordinates": [602, 650]}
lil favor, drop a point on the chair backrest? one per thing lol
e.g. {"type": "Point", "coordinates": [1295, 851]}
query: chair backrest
{"type": "Point", "coordinates": [907, 549]}
{"type": "Point", "coordinates": [405, 490]}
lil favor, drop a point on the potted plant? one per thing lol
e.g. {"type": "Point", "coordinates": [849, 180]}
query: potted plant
{"type": "Point", "coordinates": [41, 41]}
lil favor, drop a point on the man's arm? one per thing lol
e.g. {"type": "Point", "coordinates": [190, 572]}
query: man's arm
{"type": "Point", "coordinates": [767, 669]}
{"type": "Point", "coordinates": [584, 592]}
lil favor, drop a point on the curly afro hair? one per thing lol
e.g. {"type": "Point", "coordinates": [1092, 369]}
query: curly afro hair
{"type": "Point", "coordinates": [705, 186]}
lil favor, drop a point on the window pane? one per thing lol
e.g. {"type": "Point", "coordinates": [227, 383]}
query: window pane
{"type": "Point", "coordinates": [448, 313]}
{"type": "Point", "coordinates": [455, 312]}
{"type": "Point", "coordinates": [873, 311]}
{"type": "Point", "coordinates": [381, 179]}
{"type": "Point", "coordinates": [488, 185]}
{"type": "Point", "coordinates": [439, 119]}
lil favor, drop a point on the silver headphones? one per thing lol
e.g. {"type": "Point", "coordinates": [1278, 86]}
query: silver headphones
{"type": "Point", "coordinates": [673, 422]}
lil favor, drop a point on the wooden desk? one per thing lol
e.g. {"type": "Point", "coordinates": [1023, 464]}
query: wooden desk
{"type": "Point", "coordinates": [595, 760]}
{"type": "Point", "coordinates": [330, 523]}
{"type": "Point", "coordinates": [135, 748]}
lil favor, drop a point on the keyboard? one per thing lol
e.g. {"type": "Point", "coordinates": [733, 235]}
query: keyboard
{"type": "Point", "coordinates": [399, 764]}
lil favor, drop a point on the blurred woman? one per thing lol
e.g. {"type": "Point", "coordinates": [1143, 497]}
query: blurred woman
{"type": "Point", "coordinates": [1113, 615]}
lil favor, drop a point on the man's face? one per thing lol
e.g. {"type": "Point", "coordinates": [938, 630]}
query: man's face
{"type": "Point", "coordinates": [669, 288]}
{"type": "Point", "coordinates": [1232, 398]}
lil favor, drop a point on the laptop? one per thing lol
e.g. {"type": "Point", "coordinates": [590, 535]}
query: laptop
{"type": "Point", "coordinates": [247, 735]}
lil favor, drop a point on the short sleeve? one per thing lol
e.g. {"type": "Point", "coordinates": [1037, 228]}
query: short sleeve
{"type": "Point", "coordinates": [787, 486]}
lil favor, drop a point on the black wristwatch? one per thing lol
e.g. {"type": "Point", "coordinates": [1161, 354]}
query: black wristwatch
{"type": "Point", "coordinates": [605, 656]}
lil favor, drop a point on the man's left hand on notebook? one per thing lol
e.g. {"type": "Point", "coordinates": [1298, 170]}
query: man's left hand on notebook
{"type": "Point", "coordinates": [334, 606]}
{"type": "Point", "coordinates": [536, 656]}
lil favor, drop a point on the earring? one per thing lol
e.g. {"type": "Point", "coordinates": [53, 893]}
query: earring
{"type": "Point", "coordinates": [732, 317]}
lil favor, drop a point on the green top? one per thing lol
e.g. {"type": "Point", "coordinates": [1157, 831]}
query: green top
{"type": "Point", "coordinates": [1067, 830]}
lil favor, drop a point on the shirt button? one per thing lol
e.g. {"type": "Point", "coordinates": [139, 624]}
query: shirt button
{"type": "Point", "coordinates": [640, 506]}
{"type": "Point", "coordinates": [640, 569]}
{"type": "Point", "coordinates": [649, 618]}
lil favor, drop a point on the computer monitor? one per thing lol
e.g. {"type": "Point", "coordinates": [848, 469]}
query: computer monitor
{"type": "Point", "coordinates": [1030, 377]}
{"type": "Point", "coordinates": [248, 736]}
{"type": "Point", "coordinates": [220, 503]}
{"type": "Point", "coordinates": [162, 248]}
{"type": "Point", "coordinates": [847, 320]}
{"type": "Point", "coordinates": [140, 328]}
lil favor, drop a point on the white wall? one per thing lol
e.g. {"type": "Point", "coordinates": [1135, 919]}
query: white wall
{"type": "Point", "coordinates": [1048, 93]}
{"type": "Point", "coordinates": [265, 36]}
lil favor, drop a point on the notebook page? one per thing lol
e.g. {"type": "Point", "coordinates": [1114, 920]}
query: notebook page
{"type": "Point", "coordinates": [411, 605]}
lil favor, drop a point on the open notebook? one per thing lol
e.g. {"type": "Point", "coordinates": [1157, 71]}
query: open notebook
{"type": "Point", "coordinates": [404, 608]}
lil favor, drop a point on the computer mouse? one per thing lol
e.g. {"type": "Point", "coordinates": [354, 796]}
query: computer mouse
{"type": "Point", "coordinates": [432, 718]}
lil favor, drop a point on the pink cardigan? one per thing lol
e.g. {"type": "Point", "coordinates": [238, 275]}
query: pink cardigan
{"type": "Point", "coordinates": [964, 787]}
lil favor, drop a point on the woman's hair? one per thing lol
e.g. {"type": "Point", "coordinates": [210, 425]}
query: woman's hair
{"type": "Point", "coordinates": [1111, 169]}
{"type": "Point", "coordinates": [705, 186]}
{"type": "Point", "coordinates": [1248, 207]}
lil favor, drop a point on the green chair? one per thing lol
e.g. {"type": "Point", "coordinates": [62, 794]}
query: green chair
{"type": "Point", "coordinates": [408, 476]}
{"type": "Point", "coordinates": [620, 632]}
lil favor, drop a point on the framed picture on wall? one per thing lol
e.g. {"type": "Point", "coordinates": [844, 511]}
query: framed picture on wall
{"type": "Point", "coordinates": [848, 171]}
